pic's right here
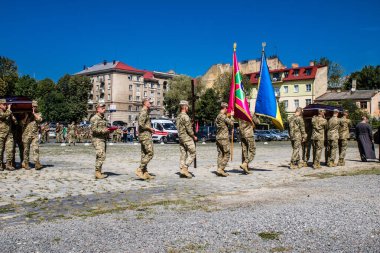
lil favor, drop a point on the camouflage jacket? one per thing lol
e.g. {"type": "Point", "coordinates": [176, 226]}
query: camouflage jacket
{"type": "Point", "coordinates": [344, 128]}
{"type": "Point", "coordinates": [144, 125]}
{"type": "Point", "coordinates": [5, 122]}
{"type": "Point", "coordinates": [246, 128]}
{"type": "Point", "coordinates": [222, 123]}
{"type": "Point", "coordinates": [185, 130]}
{"type": "Point", "coordinates": [297, 128]}
{"type": "Point", "coordinates": [99, 126]}
{"type": "Point", "coordinates": [333, 128]}
{"type": "Point", "coordinates": [319, 125]}
{"type": "Point", "coordinates": [72, 128]}
{"type": "Point", "coordinates": [30, 124]}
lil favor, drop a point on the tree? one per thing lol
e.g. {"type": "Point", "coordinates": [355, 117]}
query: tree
{"type": "Point", "coordinates": [8, 76]}
{"type": "Point", "coordinates": [26, 86]}
{"type": "Point", "coordinates": [180, 89]}
{"type": "Point", "coordinates": [334, 71]}
{"type": "Point", "coordinates": [366, 79]}
{"type": "Point", "coordinates": [207, 107]}
{"type": "Point", "coordinates": [355, 113]}
{"type": "Point", "coordinates": [222, 86]}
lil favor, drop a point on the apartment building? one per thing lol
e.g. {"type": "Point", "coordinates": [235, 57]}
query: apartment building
{"type": "Point", "coordinates": [122, 88]}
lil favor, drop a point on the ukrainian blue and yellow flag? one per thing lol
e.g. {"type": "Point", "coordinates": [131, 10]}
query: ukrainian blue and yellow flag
{"type": "Point", "coordinates": [266, 103]}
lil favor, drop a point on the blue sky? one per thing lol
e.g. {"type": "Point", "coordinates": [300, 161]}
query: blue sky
{"type": "Point", "coordinates": [51, 38]}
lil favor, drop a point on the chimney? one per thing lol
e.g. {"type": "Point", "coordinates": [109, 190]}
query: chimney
{"type": "Point", "coordinates": [84, 67]}
{"type": "Point", "coordinates": [295, 65]}
{"type": "Point", "coordinates": [104, 62]}
{"type": "Point", "coordinates": [113, 62]}
{"type": "Point", "coordinates": [353, 86]}
{"type": "Point", "coordinates": [312, 63]}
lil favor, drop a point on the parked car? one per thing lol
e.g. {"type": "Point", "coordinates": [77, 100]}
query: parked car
{"type": "Point", "coordinates": [262, 135]}
{"type": "Point", "coordinates": [119, 123]}
{"type": "Point", "coordinates": [284, 136]}
{"type": "Point", "coordinates": [207, 133]}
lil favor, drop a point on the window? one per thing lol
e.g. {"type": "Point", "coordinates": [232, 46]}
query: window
{"type": "Point", "coordinates": [130, 87]}
{"type": "Point", "coordinates": [286, 104]}
{"type": "Point", "coordinates": [109, 97]}
{"type": "Point", "coordinates": [137, 98]}
{"type": "Point", "coordinates": [145, 85]}
{"type": "Point", "coordinates": [137, 87]}
{"type": "Point", "coordinates": [152, 94]}
{"type": "Point", "coordinates": [308, 101]}
{"type": "Point", "coordinates": [165, 85]}
{"type": "Point", "coordinates": [158, 103]}
{"type": "Point", "coordinates": [97, 97]}
{"type": "Point", "coordinates": [130, 108]}
{"type": "Point", "coordinates": [158, 86]}
{"type": "Point", "coordinates": [296, 88]}
{"type": "Point", "coordinates": [109, 86]}
{"type": "Point", "coordinates": [277, 91]}
{"type": "Point", "coordinates": [129, 77]}
{"type": "Point", "coordinates": [129, 118]}
{"type": "Point", "coordinates": [130, 97]}
{"type": "Point", "coordinates": [134, 78]}
{"type": "Point", "coordinates": [286, 74]}
{"type": "Point", "coordinates": [296, 72]}
{"type": "Point", "coordinates": [308, 87]}
{"type": "Point", "coordinates": [137, 108]}
{"type": "Point", "coordinates": [286, 89]}
{"type": "Point", "coordinates": [152, 85]}
{"type": "Point", "coordinates": [296, 103]}
{"type": "Point", "coordinates": [145, 94]}
{"type": "Point", "coordinates": [308, 72]}
{"type": "Point", "coordinates": [363, 104]}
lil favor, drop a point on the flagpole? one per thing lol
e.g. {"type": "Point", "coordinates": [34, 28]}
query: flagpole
{"type": "Point", "coordinates": [233, 126]}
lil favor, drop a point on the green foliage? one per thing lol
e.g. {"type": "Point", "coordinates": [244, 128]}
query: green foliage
{"type": "Point", "coordinates": [26, 86]}
{"type": "Point", "coordinates": [223, 83]}
{"type": "Point", "coordinates": [207, 107]}
{"type": "Point", "coordinates": [8, 76]}
{"type": "Point", "coordinates": [180, 89]}
{"type": "Point", "coordinates": [335, 71]}
{"type": "Point", "coordinates": [366, 79]}
{"type": "Point", "coordinates": [355, 113]}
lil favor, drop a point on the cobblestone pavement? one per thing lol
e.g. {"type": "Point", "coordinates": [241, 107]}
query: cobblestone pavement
{"type": "Point", "coordinates": [66, 188]}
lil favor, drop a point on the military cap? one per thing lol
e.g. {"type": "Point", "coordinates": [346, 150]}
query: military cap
{"type": "Point", "coordinates": [3, 101]}
{"type": "Point", "coordinates": [321, 110]}
{"type": "Point", "coordinates": [184, 102]}
{"type": "Point", "coordinates": [299, 109]}
{"type": "Point", "coordinates": [147, 99]}
{"type": "Point", "coordinates": [34, 103]}
{"type": "Point", "coordinates": [224, 105]}
{"type": "Point", "coordinates": [100, 105]}
{"type": "Point", "coordinates": [336, 110]}
{"type": "Point", "coordinates": [345, 111]}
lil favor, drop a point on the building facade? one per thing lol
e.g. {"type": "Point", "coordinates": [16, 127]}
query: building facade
{"type": "Point", "coordinates": [295, 87]}
{"type": "Point", "coordinates": [122, 88]}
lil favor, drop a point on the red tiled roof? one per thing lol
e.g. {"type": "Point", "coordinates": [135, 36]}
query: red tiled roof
{"type": "Point", "coordinates": [253, 77]}
{"type": "Point", "coordinates": [122, 66]}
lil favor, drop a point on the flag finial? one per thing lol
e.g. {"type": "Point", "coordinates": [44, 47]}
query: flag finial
{"type": "Point", "coordinates": [263, 44]}
{"type": "Point", "coordinates": [235, 46]}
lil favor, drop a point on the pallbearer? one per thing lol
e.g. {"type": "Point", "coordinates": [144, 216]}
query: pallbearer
{"type": "Point", "coordinates": [297, 136]}
{"type": "Point", "coordinates": [145, 138]}
{"type": "Point", "coordinates": [222, 123]}
{"type": "Point", "coordinates": [318, 136]}
{"type": "Point", "coordinates": [333, 137]}
{"type": "Point", "coordinates": [344, 135]}
{"type": "Point", "coordinates": [186, 139]}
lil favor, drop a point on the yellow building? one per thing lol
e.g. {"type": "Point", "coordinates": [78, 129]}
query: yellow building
{"type": "Point", "coordinates": [296, 86]}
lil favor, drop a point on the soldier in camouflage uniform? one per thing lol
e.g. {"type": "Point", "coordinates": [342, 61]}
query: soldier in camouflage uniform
{"type": "Point", "coordinates": [72, 133]}
{"type": "Point", "coordinates": [319, 124]}
{"type": "Point", "coordinates": [6, 136]}
{"type": "Point", "coordinates": [186, 139]}
{"type": "Point", "coordinates": [145, 139]}
{"type": "Point", "coordinates": [100, 134]}
{"type": "Point", "coordinates": [30, 137]}
{"type": "Point", "coordinates": [17, 129]}
{"type": "Point", "coordinates": [306, 146]}
{"type": "Point", "coordinates": [222, 123]}
{"type": "Point", "coordinates": [45, 133]}
{"type": "Point", "coordinates": [333, 136]}
{"type": "Point", "coordinates": [297, 136]}
{"type": "Point", "coordinates": [58, 131]}
{"type": "Point", "coordinates": [344, 135]}
{"type": "Point", "coordinates": [248, 144]}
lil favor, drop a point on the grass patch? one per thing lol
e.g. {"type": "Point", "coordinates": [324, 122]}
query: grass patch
{"type": "Point", "coordinates": [271, 235]}
{"type": "Point", "coordinates": [7, 209]}
{"type": "Point", "coordinates": [372, 171]}
{"type": "Point", "coordinates": [280, 249]}
{"type": "Point", "coordinates": [30, 214]}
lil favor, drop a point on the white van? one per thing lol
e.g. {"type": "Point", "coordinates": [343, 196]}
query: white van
{"type": "Point", "coordinates": [165, 131]}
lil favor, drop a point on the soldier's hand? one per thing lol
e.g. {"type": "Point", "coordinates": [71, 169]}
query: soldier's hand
{"type": "Point", "coordinates": [9, 106]}
{"type": "Point", "coordinates": [152, 130]}
{"type": "Point", "coordinates": [232, 113]}
{"type": "Point", "coordinates": [195, 138]}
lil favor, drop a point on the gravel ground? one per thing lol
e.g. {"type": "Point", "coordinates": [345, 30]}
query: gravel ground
{"type": "Point", "coordinates": [339, 214]}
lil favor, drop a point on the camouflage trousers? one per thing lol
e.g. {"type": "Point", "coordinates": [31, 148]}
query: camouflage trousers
{"type": "Point", "coordinates": [223, 147]}
{"type": "Point", "coordinates": [333, 147]}
{"type": "Point", "coordinates": [187, 153]}
{"type": "Point", "coordinates": [58, 137]}
{"type": "Point", "coordinates": [342, 144]}
{"type": "Point", "coordinates": [306, 148]}
{"type": "Point", "coordinates": [100, 149]}
{"type": "Point", "coordinates": [317, 151]}
{"type": "Point", "coordinates": [71, 138]}
{"type": "Point", "coordinates": [296, 146]}
{"type": "Point", "coordinates": [6, 145]}
{"type": "Point", "coordinates": [30, 142]}
{"type": "Point", "coordinates": [248, 147]}
{"type": "Point", "coordinates": [17, 140]}
{"type": "Point", "coordinates": [146, 152]}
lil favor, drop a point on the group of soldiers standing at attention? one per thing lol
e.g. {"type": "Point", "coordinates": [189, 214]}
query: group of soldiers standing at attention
{"type": "Point", "coordinates": [71, 134]}
{"type": "Point", "coordinates": [21, 129]}
{"type": "Point", "coordinates": [333, 134]}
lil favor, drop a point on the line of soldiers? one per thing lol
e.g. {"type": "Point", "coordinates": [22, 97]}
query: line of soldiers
{"type": "Point", "coordinates": [333, 134]}
{"type": "Point", "coordinates": [21, 129]}
{"type": "Point", "coordinates": [72, 134]}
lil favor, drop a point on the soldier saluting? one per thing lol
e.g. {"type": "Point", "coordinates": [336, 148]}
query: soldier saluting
{"type": "Point", "coordinates": [145, 139]}
{"type": "Point", "coordinates": [186, 139]}
{"type": "Point", "coordinates": [297, 136]}
{"type": "Point", "coordinates": [319, 124]}
{"type": "Point", "coordinates": [100, 134]}
{"type": "Point", "coordinates": [222, 123]}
